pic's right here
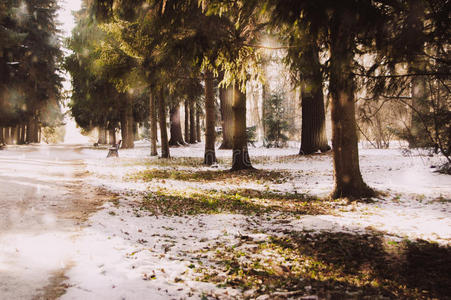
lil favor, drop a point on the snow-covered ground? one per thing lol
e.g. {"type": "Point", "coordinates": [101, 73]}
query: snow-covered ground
{"type": "Point", "coordinates": [123, 252]}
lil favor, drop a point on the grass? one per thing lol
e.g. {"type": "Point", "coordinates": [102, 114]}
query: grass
{"type": "Point", "coordinates": [242, 201]}
{"type": "Point", "coordinates": [259, 176]}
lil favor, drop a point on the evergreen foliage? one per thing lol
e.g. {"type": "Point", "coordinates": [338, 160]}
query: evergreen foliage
{"type": "Point", "coordinates": [276, 124]}
{"type": "Point", "coordinates": [30, 58]}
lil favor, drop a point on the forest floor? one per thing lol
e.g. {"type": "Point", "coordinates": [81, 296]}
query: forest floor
{"type": "Point", "coordinates": [174, 229]}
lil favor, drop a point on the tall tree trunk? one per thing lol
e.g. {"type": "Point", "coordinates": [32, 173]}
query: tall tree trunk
{"type": "Point", "coordinates": [135, 131]}
{"type": "Point", "coordinates": [127, 123]}
{"type": "Point", "coordinates": [210, 136]}
{"type": "Point", "coordinates": [186, 120]}
{"type": "Point", "coordinates": [22, 134]}
{"type": "Point", "coordinates": [348, 179]}
{"type": "Point", "coordinates": [192, 123]}
{"type": "Point", "coordinates": [226, 100]}
{"type": "Point", "coordinates": [153, 125]}
{"type": "Point", "coordinates": [32, 129]}
{"type": "Point", "coordinates": [15, 134]}
{"type": "Point", "coordinates": [102, 135]}
{"type": "Point", "coordinates": [419, 136]}
{"type": "Point", "coordinates": [2, 136]}
{"type": "Point", "coordinates": [240, 158]}
{"type": "Point", "coordinates": [313, 134]}
{"type": "Point", "coordinates": [163, 129]}
{"type": "Point", "coordinates": [8, 139]}
{"type": "Point", "coordinates": [175, 127]}
{"type": "Point", "coordinates": [112, 136]}
{"type": "Point", "coordinates": [39, 133]}
{"type": "Point", "coordinates": [198, 133]}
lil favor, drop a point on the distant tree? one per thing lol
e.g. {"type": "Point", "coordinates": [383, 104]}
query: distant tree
{"type": "Point", "coordinates": [153, 124]}
{"type": "Point", "coordinates": [226, 101]}
{"type": "Point", "coordinates": [175, 126]}
{"type": "Point", "coordinates": [210, 134]}
{"type": "Point", "coordinates": [275, 122]}
{"type": "Point", "coordinates": [30, 57]}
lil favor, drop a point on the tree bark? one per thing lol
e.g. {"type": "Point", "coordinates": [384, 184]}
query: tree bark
{"type": "Point", "coordinates": [22, 134]}
{"type": "Point", "coordinates": [128, 139]}
{"type": "Point", "coordinates": [198, 133]}
{"type": "Point", "coordinates": [313, 133]}
{"type": "Point", "coordinates": [8, 139]}
{"type": "Point", "coordinates": [112, 136]}
{"type": "Point", "coordinates": [153, 125]}
{"type": "Point", "coordinates": [419, 136]}
{"type": "Point", "coordinates": [418, 131]}
{"type": "Point", "coordinates": [2, 136]}
{"type": "Point", "coordinates": [15, 134]}
{"type": "Point", "coordinates": [210, 136]}
{"type": "Point", "coordinates": [135, 131]}
{"type": "Point", "coordinates": [102, 135]}
{"type": "Point", "coordinates": [240, 158]}
{"type": "Point", "coordinates": [32, 130]}
{"type": "Point", "coordinates": [163, 129]}
{"type": "Point", "coordinates": [348, 179]}
{"type": "Point", "coordinates": [175, 127]}
{"type": "Point", "coordinates": [186, 120]}
{"type": "Point", "coordinates": [192, 123]}
{"type": "Point", "coordinates": [226, 100]}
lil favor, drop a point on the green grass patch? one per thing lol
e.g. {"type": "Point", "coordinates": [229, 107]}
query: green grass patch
{"type": "Point", "coordinates": [242, 201]}
{"type": "Point", "coordinates": [259, 176]}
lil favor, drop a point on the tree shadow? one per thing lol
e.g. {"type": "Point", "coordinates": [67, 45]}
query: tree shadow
{"type": "Point", "coordinates": [373, 265]}
{"type": "Point", "coordinates": [333, 265]}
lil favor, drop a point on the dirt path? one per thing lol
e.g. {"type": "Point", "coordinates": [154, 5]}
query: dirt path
{"type": "Point", "coordinates": [45, 197]}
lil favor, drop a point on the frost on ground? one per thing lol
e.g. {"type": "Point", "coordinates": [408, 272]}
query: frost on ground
{"type": "Point", "coordinates": [182, 230]}
{"type": "Point", "coordinates": [174, 229]}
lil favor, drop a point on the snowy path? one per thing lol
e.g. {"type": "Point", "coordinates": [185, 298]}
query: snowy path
{"type": "Point", "coordinates": [43, 200]}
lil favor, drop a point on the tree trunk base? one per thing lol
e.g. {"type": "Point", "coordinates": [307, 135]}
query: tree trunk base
{"type": "Point", "coordinates": [312, 151]}
{"type": "Point", "coordinates": [209, 157]}
{"type": "Point", "coordinates": [353, 192]}
{"type": "Point", "coordinates": [225, 146]}
{"type": "Point", "coordinates": [241, 161]}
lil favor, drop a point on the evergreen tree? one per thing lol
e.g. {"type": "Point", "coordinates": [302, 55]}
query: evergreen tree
{"type": "Point", "coordinates": [275, 121]}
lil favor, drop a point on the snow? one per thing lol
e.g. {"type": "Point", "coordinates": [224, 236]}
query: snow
{"type": "Point", "coordinates": [122, 252]}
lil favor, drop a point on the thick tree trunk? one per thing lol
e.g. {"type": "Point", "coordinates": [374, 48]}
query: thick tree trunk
{"type": "Point", "coordinates": [32, 130]}
{"type": "Point", "coordinates": [112, 136]}
{"type": "Point", "coordinates": [313, 134]}
{"type": "Point", "coordinates": [186, 120]}
{"type": "Point", "coordinates": [128, 137]}
{"type": "Point", "coordinates": [192, 122]}
{"type": "Point", "coordinates": [175, 127]}
{"type": "Point", "coordinates": [348, 179]}
{"type": "Point", "coordinates": [226, 100]}
{"type": "Point", "coordinates": [102, 136]}
{"type": "Point", "coordinates": [15, 134]}
{"type": "Point", "coordinates": [153, 125]}
{"type": "Point", "coordinates": [163, 129]}
{"type": "Point", "coordinates": [198, 133]}
{"type": "Point", "coordinates": [240, 159]}
{"type": "Point", "coordinates": [210, 136]}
